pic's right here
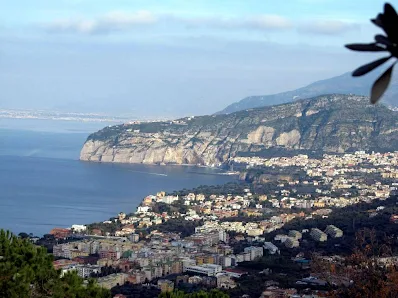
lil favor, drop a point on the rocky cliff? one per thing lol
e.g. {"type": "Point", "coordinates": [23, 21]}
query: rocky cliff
{"type": "Point", "coordinates": [331, 123]}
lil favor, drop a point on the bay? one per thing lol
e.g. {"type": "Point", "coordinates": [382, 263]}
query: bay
{"type": "Point", "coordinates": [44, 185]}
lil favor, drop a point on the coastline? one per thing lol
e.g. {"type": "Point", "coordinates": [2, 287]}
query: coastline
{"type": "Point", "coordinates": [220, 168]}
{"type": "Point", "coordinates": [94, 192]}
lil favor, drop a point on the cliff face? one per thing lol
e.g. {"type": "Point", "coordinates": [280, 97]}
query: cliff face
{"type": "Point", "coordinates": [331, 123]}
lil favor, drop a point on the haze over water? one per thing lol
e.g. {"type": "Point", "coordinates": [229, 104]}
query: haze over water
{"type": "Point", "coordinates": [44, 185]}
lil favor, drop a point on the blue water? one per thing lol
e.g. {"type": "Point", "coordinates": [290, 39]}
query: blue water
{"type": "Point", "coordinates": [44, 185]}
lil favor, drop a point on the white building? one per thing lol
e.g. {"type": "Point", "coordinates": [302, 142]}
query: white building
{"type": "Point", "coordinates": [169, 199]}
{"type": "Point", "coordinates": [67, 269]}
{"type": "Point", "coordinates": [224, 281]}
{"type": "Point", "coordinates": [143, 209]}
{"type": "Point", "coordinates": [280, 237]}
{"type": "Point", "coordinates": [134, 237]}
{"type": "Point", "coordinates": [333, 231]}
{"type": "Point", "coordinates": [79, 228]}
{"type": "Point", "coordinates": [94, 247]}
{"type": "Point", "coordinates": [272, 248]}
{"type": "Point", "coordinates": [318, 235]}
{"type": "Point", "coordinates": [254, 251]}
{"type": "Point", "coordinates": [291, 242]}
{"type": "Point", "coordinates": [86, 270]}
{"type": "Point", "coordinates": [207, 269]}
{"type": "Point", "coordinates": [222, 235]}
{"type": "Point", "coordinates": [295, 234]}
{"type": "Point", "coordinates": [62, 250]}
{"type": "Point", "coordinates": [226, 261]}
{"type": "Point", "coordinates": [254, 232]}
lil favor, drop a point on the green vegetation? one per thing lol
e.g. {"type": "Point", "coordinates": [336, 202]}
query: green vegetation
{"type": "Point", "coordinates": [175, 207]}
{"type": "Point", "coordinates": [201, 294]}
{"type": "Point", "coordinates": [277, 263]}
{"type": "Point", "coordinates": [178, 225]}
{"type": "Point", "coordinates": [26, 270]}
{"type": "Point", "coordinates": [314, 125]}
{"type": "Point", "coordinates": [107, 133]}
{"type": "Point", "coordinates": [278, 175]}
{"type": "Point", "coordinates": [233, 188]}
{"type": "Point", "coordinates": [361, 274]}
{"type": "Point", "coordinates": [110, 228]}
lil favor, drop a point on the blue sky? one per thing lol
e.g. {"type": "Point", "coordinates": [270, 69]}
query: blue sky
{"type": "Point", "coordinates": [172, 57]}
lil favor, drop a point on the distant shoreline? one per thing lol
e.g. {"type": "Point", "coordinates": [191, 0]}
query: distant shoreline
{"type": "Point", "coordinates": [222, 171]}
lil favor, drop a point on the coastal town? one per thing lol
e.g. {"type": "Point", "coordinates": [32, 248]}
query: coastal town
{"type": "Point", "coordinates": [57, 115]}
{"type": "Point", "coordinates": [201, 239]}
{"type": "Point", "coordinates": [199, 149]}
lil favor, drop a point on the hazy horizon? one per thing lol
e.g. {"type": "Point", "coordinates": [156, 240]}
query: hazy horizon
{"type": "Point", "coordinates": [174, 58]}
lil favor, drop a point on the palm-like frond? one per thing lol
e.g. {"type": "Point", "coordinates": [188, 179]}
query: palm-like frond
{"type": "Point", "coordinates": [388, 21]}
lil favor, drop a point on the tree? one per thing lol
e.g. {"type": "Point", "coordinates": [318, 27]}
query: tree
{"type": "Point", "coordinates": [370, 278]}
{"type": "Point", "coordinates": [26, 270]}
{"type": "Point", "coordinates": [361, 274]}
{"type": "Point", "coordinates": [23, 235]}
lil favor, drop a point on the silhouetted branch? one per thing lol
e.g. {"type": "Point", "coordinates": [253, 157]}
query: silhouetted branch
{"type": "Point", "coordinates": [388, 21]}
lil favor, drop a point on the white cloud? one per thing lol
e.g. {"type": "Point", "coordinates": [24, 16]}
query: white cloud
{"type": "Point", "coordinates": [124, 18]}
{"type": "Point", "coordinates": [124, 21]}
{"type": "Point", "coordinates": [270, 22]}
{"type": "Point", "coordinates": [112, 21]}
{"type": "Point", "coordinates": [259, 22]}
{"type": "Point", "coordinates": [81, 26]}
{"type": "Point", "coordinates": [328, 27]}
{"type": "Point", "coordinates": [120, 20]}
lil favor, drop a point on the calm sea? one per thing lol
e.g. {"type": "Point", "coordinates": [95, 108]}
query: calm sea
{"type": "Point", "coordinates": [44, 185]}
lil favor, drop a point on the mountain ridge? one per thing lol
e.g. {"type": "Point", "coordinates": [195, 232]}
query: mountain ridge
{"type": "Point", "coordinates": [342, 84]}
{"type": "Point", "coordinates": [329, 123]}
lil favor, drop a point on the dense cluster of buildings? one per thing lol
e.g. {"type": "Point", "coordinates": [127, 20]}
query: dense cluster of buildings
{"type": "Point", "coordinates": [205, 254]}
{"type": "Point", "coordinates": [206, 257]}
{"type": "Point", "coordinates": [374, 159]}
{"type": "Point", "coordinates": [158, 256]}
{"type": "Point", "coordinates": [335, 180]}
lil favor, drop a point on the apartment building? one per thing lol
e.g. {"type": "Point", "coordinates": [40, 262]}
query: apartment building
{"type": "Point", "coordinates": [254, 251]}
{"type": "Point", "coordinates": [333, 231]}
{"type": "Point", "coordinates": [318, 235]}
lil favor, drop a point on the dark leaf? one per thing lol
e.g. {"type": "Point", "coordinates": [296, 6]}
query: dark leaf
{"type": "Point", "coordinates": [369, 67]}
{"type": "Point", "coordinates": [383, 40]}
{"type": "Point", "coordinates": [390, 12]}
{"type": "Point", "coordinates": [377, 21]}
{"type": "Point", "coordinates": [369, 47]}
{"type": "Point", "coordinates": [389, 19]}
{"type": "Point", "coordinates": [381, 85]}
